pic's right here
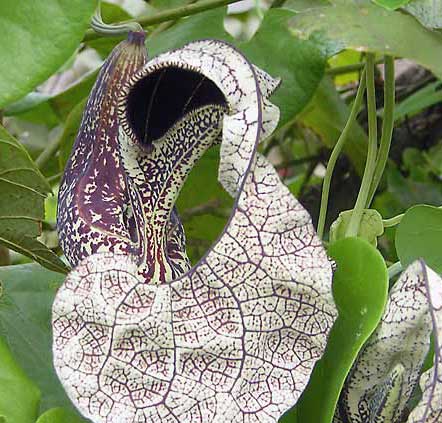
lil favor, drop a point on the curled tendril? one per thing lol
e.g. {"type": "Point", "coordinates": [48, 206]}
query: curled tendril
{"type": "Point", "coordinates": [112, 30]}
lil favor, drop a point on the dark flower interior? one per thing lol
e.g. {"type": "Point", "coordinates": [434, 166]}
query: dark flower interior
{"type": "Point", "coordinates": [159, 100]}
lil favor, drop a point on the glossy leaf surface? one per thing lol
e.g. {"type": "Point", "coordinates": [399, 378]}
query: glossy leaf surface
{"type": "Point", "coordinates": [367, 27]}
{"type": "Point", "coordinates": [37, 38]}
{"type": "Point", "coordinates": [360, 285]}
{"type": "Point", "coordinates": [419, 235]}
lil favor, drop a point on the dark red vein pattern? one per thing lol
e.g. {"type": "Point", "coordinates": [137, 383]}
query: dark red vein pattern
{"type": "Point", "coordinates": [388, 369]}
{"type": "Point", "coordinates": [235, 338]}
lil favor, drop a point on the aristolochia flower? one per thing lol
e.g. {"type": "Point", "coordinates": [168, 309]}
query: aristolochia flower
{"type": "Point", "coordinates": [140, 336]}
{"type": "Point", "coordinates": [379, 388]}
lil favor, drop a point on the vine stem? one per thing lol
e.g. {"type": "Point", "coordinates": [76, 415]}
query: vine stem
{"type": "Point", "coordinates": [393, 221]}
{"type": "Point", "coordinates": [355, 220]}
{"type": "Point", "coordinates": [336, 152]}
{"type": "Point", "coordinates": [111, 30]}
{"type": "Point", "coordinates": [168, 15]}
{"type": "Point", "coordinates": [387, 127]}
{"type": "Point", "coordinates": [394, 270]}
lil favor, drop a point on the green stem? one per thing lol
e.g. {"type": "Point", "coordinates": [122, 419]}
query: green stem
{"type": "Point", "coordinates": [48, 152]}
{"type": "Point", "coordinates": [388, 223]}
{"type": "Point", "coordinates": [342, 70]}
{"type": "Point", "coordinates": [335, 154]}
{"type": "Point", "coordinates": [170, 14]}
{"type": "Point", "coordinates": [355, 220]}
{"type": "Point", "coordinates": [394, 269]}
{"type": "Point", "coordinates": [393, 221]}
{"type": "Point", "coordinates": [387, 127]}
{"type": "Point", "coordinates": [112, 30]}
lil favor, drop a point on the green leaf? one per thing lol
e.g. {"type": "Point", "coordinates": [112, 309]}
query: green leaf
{"type": "Point", "coordinates": [367, 27]}
{"type": "Point", "coordinates": [410, 192]}
{"type": "Point", "coordinates": [425, 97]}
{"type": "Point", "coordinates": [298, 63]}
{"type": "Point", "coordinates": [303, 5]}
{"type": "Point", "coordinates": [391, 4]}
{"type": "Point", "coordinates": [208, 24]}
{"type": "Point", "coordinates": [204, 205]}
{"type": "Point", "coordinates": [360, 286]}
{"type": "Point", "coordinates": [69, 133]}
{"type": "Point", "coordinates": [23, 191]}
{"type": "Point", "coordinates": [37, 38]}
{"type": "Point", "coordinates": [327, 115]}
{"type": "Point", "coordinates": [388, 368]}
{"type": "Point", "coordinates": [51, 110]}
{"type": "Point", "coordinates": [19, 396]}
{"type": "Point", "coordinates": [427, 12]}
{"type": "Point", "coordinates": [370, 229]}
{"type": "Point", "coordinates": [25, 324]}
{"type": "Point", "coordinates": [60, 415]}
{"type": "Point", "coordinates": [419, 235]}
{"type": "Point", "coordinates": [110, 13]}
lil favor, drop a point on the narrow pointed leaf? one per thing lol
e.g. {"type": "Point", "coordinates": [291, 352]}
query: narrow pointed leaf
{"type": "Point", "coordinates": [23, 189]}
{"type": "Point", "coordinates": [236, 335]}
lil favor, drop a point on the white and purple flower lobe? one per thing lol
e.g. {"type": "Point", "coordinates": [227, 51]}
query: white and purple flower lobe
{"type": "Point", "coordinates": [139, 336]}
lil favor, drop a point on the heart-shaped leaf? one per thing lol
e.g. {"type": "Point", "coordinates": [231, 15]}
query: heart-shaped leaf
{"type": "Point", "coordinates": [419, 235]}
{"type": "Point", "coordinates": [236, 335]}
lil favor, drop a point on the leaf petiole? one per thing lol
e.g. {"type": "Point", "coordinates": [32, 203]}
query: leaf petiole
{"type": "Point", "coordinates": [336, 152]}
{"type": "Point", "coordinates": [387, 126]}
{"type": "Point", "coordinates": [353, 227]}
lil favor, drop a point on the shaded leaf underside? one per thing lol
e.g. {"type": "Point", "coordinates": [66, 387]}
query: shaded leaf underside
{"type": "Point", "coordinates": [23, 191]}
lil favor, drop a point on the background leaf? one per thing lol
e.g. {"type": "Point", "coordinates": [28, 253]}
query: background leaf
{"type": "Point", "coordinates": [391, 4]}
{"type": "Point", "coordinates": [327, 115]}
{"type": "Point", "coordinates": [60, 415]}
{"type": "Point", "coordinates": [37, 38]}
{"type": "Point", "coordinates": [419, 235]}
{"type": "Point", "coordinates": [19, 396]}
{"type": "Point", "coordinates": [360, 286]}
{"type": "Point", "coordinates": [297, 62]}
{"type": "Point", "coordinates": [23, 191]}
{"type": "Point", "coordinates": [428, 12]}
{"type": "Point", "coordinates": [367, 27]}
{"type": "Point", "coordinates": [25, 324]}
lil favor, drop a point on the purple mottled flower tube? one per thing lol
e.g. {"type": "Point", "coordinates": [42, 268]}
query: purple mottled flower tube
{"type": "Point", "coordinates": [95, 203]}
